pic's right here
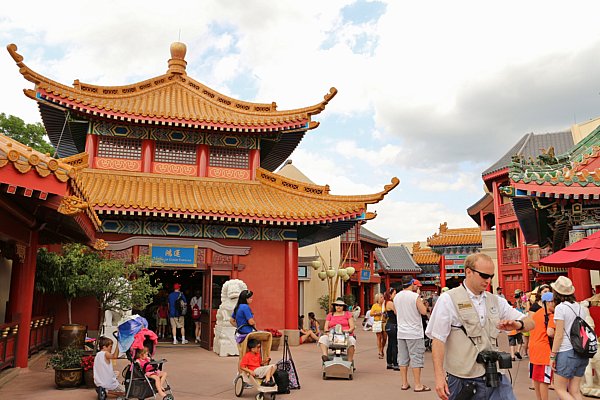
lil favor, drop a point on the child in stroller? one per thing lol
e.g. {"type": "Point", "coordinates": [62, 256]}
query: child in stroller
{"type": "Point", "coordinates": [254, 369]}
{"type": "Point", "coordinates": [159, 376]}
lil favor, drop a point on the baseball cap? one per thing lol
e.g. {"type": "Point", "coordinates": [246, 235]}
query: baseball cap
{"type": "Point", "coordinates": [417, 282]}
{"type": "Point", "coordinates": [176, 286]}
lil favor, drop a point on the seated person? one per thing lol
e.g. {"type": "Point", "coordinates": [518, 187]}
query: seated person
{"type": "Point", "coordinates": [104, 375]}
{"type": "Point", "coordinates": [253, 365]}
{"type": "Point", "coordinates": [368, 321]}
{"type": "Point", "coordinates": [340, 316]}
{"type": "Point", "coordinates": [159, 377]}
{"type": "Point", "coordinates": [306, 335]}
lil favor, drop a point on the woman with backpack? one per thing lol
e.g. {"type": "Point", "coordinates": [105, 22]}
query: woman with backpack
{"type": "Point", "coordinates": [196, 306]}
{"type": "Point", "coordinates": [568, 365]}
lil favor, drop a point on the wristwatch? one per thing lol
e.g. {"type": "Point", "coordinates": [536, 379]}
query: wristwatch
{"type": "Point", "coordinates": [522, 324]}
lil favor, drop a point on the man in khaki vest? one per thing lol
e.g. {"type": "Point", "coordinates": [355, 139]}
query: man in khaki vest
{"type": "Point", "coordinates": [482, 315]}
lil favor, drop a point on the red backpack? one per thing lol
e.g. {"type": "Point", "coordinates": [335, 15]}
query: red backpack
{"type": "Point", "coordinates": [195, 312]}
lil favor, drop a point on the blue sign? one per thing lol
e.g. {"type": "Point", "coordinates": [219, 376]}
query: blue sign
{"type": "Point", "coordinates": [173, 256]}
{"type": "Point", "coordinates": [365, 275]}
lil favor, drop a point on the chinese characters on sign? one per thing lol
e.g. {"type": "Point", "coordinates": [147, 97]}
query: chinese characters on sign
{"type": "Point", "coordinates": [173, 256]}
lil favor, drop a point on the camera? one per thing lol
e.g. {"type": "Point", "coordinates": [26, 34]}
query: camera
{"type": "Point", "coordinates": [489, 359]}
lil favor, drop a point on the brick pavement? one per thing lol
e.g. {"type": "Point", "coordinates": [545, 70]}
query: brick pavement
{"type": "Point", "coordinates": [195, 373]}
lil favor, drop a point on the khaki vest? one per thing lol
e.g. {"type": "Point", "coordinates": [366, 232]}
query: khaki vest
{"type": "Point", "coordinates": [460, 352]}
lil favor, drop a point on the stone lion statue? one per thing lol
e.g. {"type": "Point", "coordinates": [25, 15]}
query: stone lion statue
{"type": "Point", "coordinates": [224, 342]}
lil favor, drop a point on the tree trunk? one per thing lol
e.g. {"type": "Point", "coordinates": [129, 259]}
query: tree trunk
{"type": "Point", "coordinates": [69, 310]}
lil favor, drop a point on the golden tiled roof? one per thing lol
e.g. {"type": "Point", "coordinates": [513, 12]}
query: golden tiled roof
{"type": "Point", "coordinates": [454, 237]}
{"type": "Point", "coordinates": [170, 99]}
{"type": "Point", "coordinates": [24, 159]}
{"type": "Point", "coordinates": [271, 198]}
{"type": "Point", "coordinates": [424, 255]}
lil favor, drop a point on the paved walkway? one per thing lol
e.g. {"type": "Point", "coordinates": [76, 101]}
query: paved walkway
{"type": "Point", "coordinates": [195, 373]}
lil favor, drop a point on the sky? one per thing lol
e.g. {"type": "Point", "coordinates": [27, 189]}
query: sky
{"type": "Point", "coordinates": [432, 92]}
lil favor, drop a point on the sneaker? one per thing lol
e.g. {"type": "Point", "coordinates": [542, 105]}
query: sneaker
{"type": "Point", "coordinates": [269, 383]}
{"type": "Point", "coordinates": [390, 367]}
{"type": "Point", "coordinates": [396, 368]}
{"type": "Point", "coordinates": [184, 342]}
{"type": "Point", "coordinates": [174, 341]}
{"type": "Point", "coordinates": [518, 355]}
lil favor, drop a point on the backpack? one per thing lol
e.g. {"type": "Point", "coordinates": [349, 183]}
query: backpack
{"type": "Point", "coordinates": [583, 338]}
{"type": "Point", "coordinates": [195, 312]}
{"type": "Point", "coordinates": [180, 306]}
{"type": "Point", "coordinates": [282, 379]}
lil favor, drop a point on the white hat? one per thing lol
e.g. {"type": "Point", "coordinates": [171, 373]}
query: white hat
{"type": "Point", "coordinates": [563, 285]}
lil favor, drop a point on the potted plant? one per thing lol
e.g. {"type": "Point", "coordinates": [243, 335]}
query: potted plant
{"type": "Point", "coordinates": [67, 367]}
{"type": "Point", "coordinates": [87, 363]}
{"type": "Point", "coordinates": [276, 335]}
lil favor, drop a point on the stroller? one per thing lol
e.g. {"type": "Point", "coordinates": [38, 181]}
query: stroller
{"type": "Point", "coordinates": [132, 336]}
{"type": "Point", "coordinates": [244, 381]}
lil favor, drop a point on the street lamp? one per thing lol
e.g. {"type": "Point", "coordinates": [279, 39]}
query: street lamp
{"type": "Point", "coordinates": [331, 274]}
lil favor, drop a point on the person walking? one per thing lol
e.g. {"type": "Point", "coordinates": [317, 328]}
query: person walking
{"type": "Point", "coordinates": [465, 315]}
{"type": "Point", "coordinates": [177, 310]}
{"type": "Point", "coordinates": [540, 344]}
{"type": "Point", "coordinates": [568, 366]}
{"type": "Point", "coordinates": [391, 328]}
{"type": "Point", "coordinates": [196, 306]}
{"type": "Point", "coordinates": [377, 312]}
{"type": "Point", "coordinates": [411, 344]}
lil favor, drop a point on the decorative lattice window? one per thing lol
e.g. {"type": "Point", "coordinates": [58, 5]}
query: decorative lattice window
{"type": "Point", "coordinates": [175, 153]}
{"type": "Point", "coordinates": [229, 158]}
{"type": "Point", "coordinates": [116, 147]}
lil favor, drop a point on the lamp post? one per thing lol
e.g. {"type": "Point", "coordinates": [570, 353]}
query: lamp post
{"type": "Point", "coordinates": [331, 274]}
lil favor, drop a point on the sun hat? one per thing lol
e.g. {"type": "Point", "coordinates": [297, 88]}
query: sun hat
{"type": "Point", "coordinates": [563, 285]}
{"type": "Point", "coordinates": [548, 296]}
{"type": "Point", "coordinates": [339, 302]}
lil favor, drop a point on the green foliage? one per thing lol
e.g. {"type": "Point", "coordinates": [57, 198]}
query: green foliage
{"type": "Point", "coordinates": [32, 135]}
{"type": "Point", "coordinates": [324, 301]}
{"type": "Point", "coordinates": [67, 358]}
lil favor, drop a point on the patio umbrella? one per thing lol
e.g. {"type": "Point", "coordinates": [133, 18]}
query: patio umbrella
{"type": "Point", "coordinates": [582, 254]}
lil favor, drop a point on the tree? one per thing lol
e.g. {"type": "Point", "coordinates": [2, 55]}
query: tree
{"type": "Point", "coordinates": [64, 273]}
{"type": "Point", "coordinates": [32, 135]}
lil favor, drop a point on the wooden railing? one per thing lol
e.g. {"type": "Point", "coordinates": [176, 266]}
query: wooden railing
{"type": "Point", "coordinates": [41, 335]}
{"type": "Point", "coordinates": [8, 344]}
{"type": "Point", "coordinates": [506, 210]}
{"type": "Point", "coordinates": [511, 256]}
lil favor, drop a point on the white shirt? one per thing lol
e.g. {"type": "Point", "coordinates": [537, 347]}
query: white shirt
{"type": "Point", "coordinates": [196, 301]}
{"type": "Point", "coordinates": [104, 375]}
{"type": "Point", "coordinates": [445, 316]}
{"type": "Point", "coordinates": [410, 323]}
{"type": "Point", "coordinates": [567, 312]}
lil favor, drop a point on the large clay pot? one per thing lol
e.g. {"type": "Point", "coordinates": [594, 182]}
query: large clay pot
{"type": "Point", "coordinates": [71, 335]}
{"type": "Point", "coordinates": [68, 378]}
{"type": "Point", "coordinates": [88, 378]}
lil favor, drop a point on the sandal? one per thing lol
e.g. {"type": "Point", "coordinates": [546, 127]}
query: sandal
{"type": "Point", "coordinates": [405, 387]}
{"type": "Point", "coordinates": [423, 389]}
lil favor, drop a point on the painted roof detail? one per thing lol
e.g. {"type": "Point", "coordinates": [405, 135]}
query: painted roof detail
{"type": "Point", "coordinates": [455, 237]}
{"type": "Point", "coordinates": [529, 146]}
{"type": "Point", "coordinates": [24, 159]}
{"type": "Point", "coordinates": [396, 259]}
{"type": "Point", "coordinates": [270, 198]}
{"type": "Point", "coordinates": [579, 167]}
{"type": "Point", "coordinates": [424, 255]}
{"type": "Point", "coordinates": [170, 99]}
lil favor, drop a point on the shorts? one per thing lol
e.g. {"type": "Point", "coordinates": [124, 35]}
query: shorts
{"type": "Point", "coordinates": [513, 340]}
{"type": "Point", "coordinates": [569, 364]}
{"type": "Point", "coordinates": [324, 339]}
{"type": "Point", "coordinates": [177, 322]}
{"type": "Point", "coordinates": [261, 372]}
{"type": "Point", "coordinates": [410, 351]}
{"type": "Point", "coordinates": [540, 373]}
{"type": "Point", "coordinates": [162, 322]}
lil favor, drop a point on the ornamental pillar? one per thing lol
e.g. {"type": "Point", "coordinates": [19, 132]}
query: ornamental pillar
{"type": "Point", "coordinates": [91, 143]}
{"type": "Point", "coordinates": [582, 282]}
{"type": "Point", "coordinates": [147, 153]}
{"type": "Point", "coordinates": [203, 156]}
{"type": "Point", "coordinates": [254, 162]}
{"type": "Point", "coordinates": [25, 302]}
{"type": "Point", "coordinates": [291, 292]}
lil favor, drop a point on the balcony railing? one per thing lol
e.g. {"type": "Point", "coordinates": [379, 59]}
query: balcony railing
{"type": "Point", "coordinates": [8, 344]}
{"type": "Point", "coordinates": [511, 256]}
{"type": "Point", "coordinates": [41, 334]}
{"type": "Point", "coordinates": [507, 210]}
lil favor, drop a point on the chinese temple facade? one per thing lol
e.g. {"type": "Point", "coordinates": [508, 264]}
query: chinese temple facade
{"type": "Point", "coordinates": [180, 172]}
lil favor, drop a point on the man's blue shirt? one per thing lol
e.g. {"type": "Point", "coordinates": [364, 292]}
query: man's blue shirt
{"type": "Point", "coordinates": [173, 296]}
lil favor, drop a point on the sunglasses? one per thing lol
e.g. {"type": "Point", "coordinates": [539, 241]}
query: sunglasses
{"type": "Point", "coordinates": [482, 275]}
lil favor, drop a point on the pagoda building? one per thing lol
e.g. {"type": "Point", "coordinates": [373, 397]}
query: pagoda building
{"type": "Point", "coordinates": [453, 246]}
{"type": "Point", "coordinates": [183, 173]}
{"type": "Point", "coordinates": [392, 263]}
{"type": "Point", "coordinates": [556, 199]}
{"type": "Point", "coordinates": [494, 212]}
{"type": "Point", "coordinates": [429, 263]}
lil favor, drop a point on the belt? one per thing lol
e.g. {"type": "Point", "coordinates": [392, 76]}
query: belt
{"type": "Point", "coordinates": [476, 379]}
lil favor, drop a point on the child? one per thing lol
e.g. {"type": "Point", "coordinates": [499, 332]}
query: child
{"type": "Point", "coordinates": [159, 377]}
{"type": "Point", "coordinates": [162, 314]}
{"type": "Point", "coordinates": [253, 365]}
{"type": "Point", "coordinates": [104, 375]}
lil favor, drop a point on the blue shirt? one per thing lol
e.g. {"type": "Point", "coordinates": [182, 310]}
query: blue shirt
{"type": "Point", "coordinates": [173, 296]}
{"type": "Point", "coordinates": [243, 315]}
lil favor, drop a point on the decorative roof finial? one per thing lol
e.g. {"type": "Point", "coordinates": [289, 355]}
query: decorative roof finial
{"type": "Point", "coordinates": [177, 62]}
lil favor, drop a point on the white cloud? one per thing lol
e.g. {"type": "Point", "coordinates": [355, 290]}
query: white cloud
{"type": "Point", "coordinates": [385, 155]}
{"type": "Point", "coordinates": [441, 182]}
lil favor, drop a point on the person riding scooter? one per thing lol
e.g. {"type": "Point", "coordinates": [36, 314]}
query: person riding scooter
{"type": "Point", "coordinates": [339, 316]}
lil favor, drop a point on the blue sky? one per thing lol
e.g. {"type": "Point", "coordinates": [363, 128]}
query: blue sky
{"type": "Point", "coordinates": [431, 92]}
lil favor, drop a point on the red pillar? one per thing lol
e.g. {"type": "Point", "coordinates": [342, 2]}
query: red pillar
{"type": "Point", "coordinates": [202, 160]}
{"type": "Point", "coordinates": [25, 303]}
{"type": "Point", "coordinates": [291, 286]}
{"type": "Point", "coordinates": [254, 162]}
{"type": "Point", "coordinates": [91, 143]}
{"type": "Point", "coordinates": [524, 261]}
{"type": "Point", "coordinates": [496, 195]}
{"type": "Point", "coordinates": [442, 271]}
{"type": "Point", "coordinates": [147, 153]}
{"type": "Point", "coordinates": [582, 282]}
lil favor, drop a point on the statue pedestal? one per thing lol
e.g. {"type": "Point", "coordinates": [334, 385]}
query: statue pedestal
{"type": "Point", "coordinates": [224, 344]}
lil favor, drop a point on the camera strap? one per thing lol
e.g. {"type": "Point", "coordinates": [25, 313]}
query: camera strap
{"type": "Point", "coordinates": [462, 328]}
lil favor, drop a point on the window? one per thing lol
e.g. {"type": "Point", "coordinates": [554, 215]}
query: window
{"type": "Point", "coordinates": [115, 147]}
{"type": "Point", "coordinates": [175, 153]}
{"type": "Point", "coordinates": [229, 158]}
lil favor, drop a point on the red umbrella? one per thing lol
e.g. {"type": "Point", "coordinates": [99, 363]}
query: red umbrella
{"type": "Point", "coordinates": [582, 254]}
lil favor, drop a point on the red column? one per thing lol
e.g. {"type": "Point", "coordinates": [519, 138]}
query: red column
{"type": "Point", "coordinates": [147, 154]}
{"type": "Point", "coordinates": [254, 162]}
{"type": "Point", "coordinates": [202, 160]}
{"type": "Point", "coordinates": [26, 284]}
{"type": "Point", "coordinates": [91, 142]}
{"type": "Point", "coordinates": [498, 232]}
{"type": "Point", "coordinates": [582, 282]}
{"type": "Point", "coordinates": [524, 261]}
{"type": "Point", "coordinates": [291, 286]}
{"type": "Point", "coordinates": [442, 271]}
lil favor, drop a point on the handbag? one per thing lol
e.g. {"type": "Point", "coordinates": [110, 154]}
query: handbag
{"type": "Point", "coordinates": [377, 326]}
